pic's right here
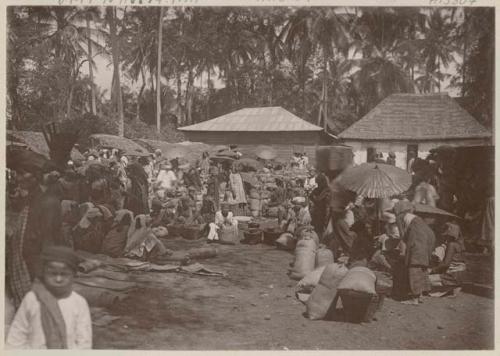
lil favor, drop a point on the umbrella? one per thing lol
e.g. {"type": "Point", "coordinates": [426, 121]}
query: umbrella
{"type": "Point", "coordinates": [375, 180]}
{"type": "Point", "coordinates": [266, 152]}
{"type": "Point", "coordinates": [432, 210]}
{"type": "Point", "coordinates": [222, 159]}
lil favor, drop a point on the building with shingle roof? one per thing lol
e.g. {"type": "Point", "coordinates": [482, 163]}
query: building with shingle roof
{"type": "Point", "coordinates": [403, 123]}
{"type": "Point", "coordinates": [250, 127]}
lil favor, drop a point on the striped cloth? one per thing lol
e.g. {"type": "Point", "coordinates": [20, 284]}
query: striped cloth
{"type": "Point", "coordinates": [19, 277]}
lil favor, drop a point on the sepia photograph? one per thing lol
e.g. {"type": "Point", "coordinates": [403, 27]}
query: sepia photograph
{"type": "Point", "coordinates": [249, 178]}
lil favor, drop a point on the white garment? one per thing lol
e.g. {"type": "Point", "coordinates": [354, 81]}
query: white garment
{"type": "Point", "coordinates": [166, 179]}
{"type": "Point", "coordinates": [310, 184]}
{"type": "Point", "coordinates": [26, 331]}
{"type": "Point", "coordinates": [228, 220]}
{"type": "Point", "coordinates": [439, 252]}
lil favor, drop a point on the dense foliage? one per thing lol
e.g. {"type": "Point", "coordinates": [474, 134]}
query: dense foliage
{"type": "Point", "coordinates": [327, 65]}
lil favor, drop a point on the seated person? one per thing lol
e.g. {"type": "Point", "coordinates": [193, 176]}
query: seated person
{"type": "Point", "coordinates": [386, 256]}
{"type": "Point", "coordinates": [277, 200]}
{"type": "Point", "coordinates": [448, 275]}
{"type": "Point", "coordinates": [223, 218]}
{"type": "Point", "coordinates": [52, 315]}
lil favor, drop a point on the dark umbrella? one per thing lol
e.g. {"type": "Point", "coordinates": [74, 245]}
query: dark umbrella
{"type": "Point", "coordinates": [432, 210]}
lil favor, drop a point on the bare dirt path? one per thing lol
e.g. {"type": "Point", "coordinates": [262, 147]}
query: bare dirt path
{"type": "Point", "coordinates": [255, 308]}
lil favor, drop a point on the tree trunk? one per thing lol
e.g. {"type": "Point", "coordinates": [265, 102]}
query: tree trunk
{"type": "Point", "coordinates": [139, 97]}
{"type": "Point", "coordinates": [116, 69]}
{"type": "Point", "coordinates": [91, 71]}
{"type": "Point", "coordinates": [464, 53]}
{"type": "Point", "coordinates": [180, 119]}
{"type": "Point", "coordinates": [189, 97]}
{"type": "Point", "coordinates": [209, 91]}
{"type": "Point", "coordinates": [158, 75]}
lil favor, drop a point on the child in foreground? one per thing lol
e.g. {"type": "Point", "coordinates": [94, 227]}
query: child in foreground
{"type": "Point", "coordinates": [52, 315]}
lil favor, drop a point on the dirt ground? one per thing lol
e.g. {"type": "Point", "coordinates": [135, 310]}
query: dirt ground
{"type": "Point", "coordinates": [255, 308]}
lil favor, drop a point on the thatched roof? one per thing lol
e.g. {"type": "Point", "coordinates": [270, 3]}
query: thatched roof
{"type": "Point", "coordinates": [413, 117]}
{"type": "Point", "coordinates": [124, 144]}
{"type": "Point", "coordinates": [36, 142]}
{"type": "Point", "coordinates": [274, 119]}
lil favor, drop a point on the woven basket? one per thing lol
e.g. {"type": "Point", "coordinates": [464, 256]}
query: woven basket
{"type": "Point", "coordinates": [252, 237]}
{"type": "Point", "coordinates": [191, 232]}
{"type": "Point", "coordinates": [271, 235]}
{"type": "Point", "coordinates": [360, 307]}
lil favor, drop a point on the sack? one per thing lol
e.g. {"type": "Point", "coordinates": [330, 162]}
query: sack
{"type": "Point", "coordinates": [254, 204]}
{"type": "Point", "coordinates": [323, 296]}
{"type": "Point", "coordinates": [254, 194]}
{"type": "Point", "coordinates": [305, 256]}
{"type": "Point", "coordinates": [310, 281]}
{"type": "Point", "coordinates": [160, 231]}
{"type": "Point", "coordinates": [308, 233]}
{"type": "Point", "coordinates": [324, 257]}
{"type": "Point", "coordinates": [359, 279]}
{"type": "Point", "coordinates": [286, 241]}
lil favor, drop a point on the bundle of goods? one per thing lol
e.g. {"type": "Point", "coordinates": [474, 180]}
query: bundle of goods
{"type": "Point", "coordinates": [357, 293]}
{"type": "Point", "coordinates": [286, 242]}
{"type": "Point", "coordinates": [323, 302]}
{"type": "Point", "coordinates": [307, 232]}
{"type": "Point", "coordinates": [271, 235]}
{"type": "Point", "coordinates": [253, 236]}
{"type": "Point", "coordinates": [305, 256]}
{"type": "Point", "coordinates": [160, 231]}
{"type": "Point", "coordinates": [324, 256]}
{"type": "Point", "coordinates": [191, 232]}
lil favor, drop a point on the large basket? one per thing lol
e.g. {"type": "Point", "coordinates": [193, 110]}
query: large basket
{"type": "Point", "coordinates": [360, 307]}
{"type": "Point", "coordinates": [271, 235]}
{"type": "Point", "coordinates": [252, 237]}
{"type": "Point", "coordinates": [191, 232]}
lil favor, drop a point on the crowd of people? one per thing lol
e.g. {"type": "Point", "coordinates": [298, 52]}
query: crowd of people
{"type": "Point", "coordinates": [122, 206]}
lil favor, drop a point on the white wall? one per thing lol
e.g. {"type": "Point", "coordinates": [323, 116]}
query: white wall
{"type": "Point", "coordinates": [400, 149]}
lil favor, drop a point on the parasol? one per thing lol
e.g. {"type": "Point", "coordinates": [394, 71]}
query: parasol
{"type": "Point", "coordinates": [432, 210]}
{"type": "Point", "coordinates": [222, 159]}
{"type": "Point", "coordinates": [266, 152]}
{"type": "Point", "coordinates": [375, 180]}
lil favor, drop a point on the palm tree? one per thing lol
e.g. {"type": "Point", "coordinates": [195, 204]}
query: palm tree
{"type": "Point", "coordinates": [158, 75]}
{"type": "Point", "coordinates": [111, 19]}
{"type": "Point", "coordinates": [437, 48]}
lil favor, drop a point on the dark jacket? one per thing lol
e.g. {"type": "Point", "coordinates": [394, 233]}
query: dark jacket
{"type": "Point", "coordinates": [420, 241]}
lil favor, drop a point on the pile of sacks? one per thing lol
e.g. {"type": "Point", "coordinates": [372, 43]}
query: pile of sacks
{"type": "Point", "coordinates": [324, 284]}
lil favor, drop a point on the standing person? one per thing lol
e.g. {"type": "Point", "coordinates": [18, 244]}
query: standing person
{"type": "Point", "coordinates": [320, 200]}
{"type": "Point", "coordinates": [213, 186]}
{"type": "Point", "coordinates": [237, 187]}
{"type": "Point", "coordinates": [305, 160]}
{"type": "Point", "coordinates": [52, 315]}
{"type": "Point", "coordinates": [205, 166]}
{"type": "Point", "coordinates": [166, 180]}
{"type": "Point", "coordinates": [39, 226]}
{"type": "Point", "coordinates": [425, 193]}
{"type": "Point", "coordinates": [420, 241]}
{"type": "Point", "coordinates": [138, 195]}
{"type": "Point", "coordinates": [391, 159]}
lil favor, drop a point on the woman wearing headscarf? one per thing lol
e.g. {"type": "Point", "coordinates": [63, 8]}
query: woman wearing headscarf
{"type": "Point", "coordinates": [448, 275]}
{"type": "Point", "coordinates": [320, 199]}
{"type": "Point", "coordinates": [420, 241]}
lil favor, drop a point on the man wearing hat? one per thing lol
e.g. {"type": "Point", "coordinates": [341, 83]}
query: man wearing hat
{"type": "Point", "coordinates": [52, 315]}
{"type": "Point", "coordinates": [420, 240]}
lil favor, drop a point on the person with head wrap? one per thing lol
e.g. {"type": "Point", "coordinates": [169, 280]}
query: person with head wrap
{"type": "Point", "coordinates": [419, 240]}
{"type": "Point", "coordinates": [93, 226]}
{"type": "Point", "coordinates": [320, 200]}
{"type": "Point", "coordinates": [137, 197]}
{"type": "Point", "coordinates": [448, 275]}
{"type": "Point", "coordinates": [52, 315]}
